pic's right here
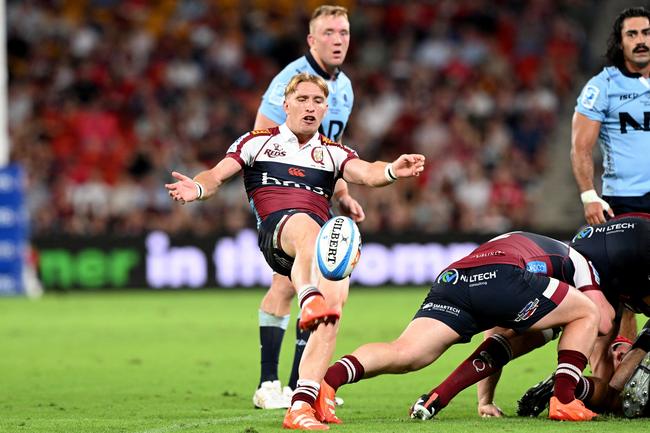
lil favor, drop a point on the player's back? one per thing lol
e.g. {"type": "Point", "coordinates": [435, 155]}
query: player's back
{"type": "Point", "coordinates": [533, 252]}
{"type": "Point", "coordinates": [620, 250]}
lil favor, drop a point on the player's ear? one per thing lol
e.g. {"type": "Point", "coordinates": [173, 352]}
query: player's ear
{"type": "Point", "coordinates": [310, 40]}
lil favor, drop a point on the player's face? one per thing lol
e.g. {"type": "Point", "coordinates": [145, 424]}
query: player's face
{"type": "Point", "coordinates": [618, 352]}
{"type": "Point", "coordinates": [305, 109]}
{"type": "Point", "coordinates": [635, 41]}
{"type": "Point", "coordinates": [329, 40]}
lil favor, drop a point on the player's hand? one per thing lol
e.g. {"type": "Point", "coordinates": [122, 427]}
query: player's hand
{"type": "Point", "coordinates": [408, 165]}
{"type": "Point", "coordinates": [490, 410]}
{"type": "Point", "coordinates": [595, 207]}
{"type": "Point", "coordinates": [184, 190]}
{"type": "Point", "coordinates": [351, 208]}
{"type": "Point", "coordinates": [594, 212]}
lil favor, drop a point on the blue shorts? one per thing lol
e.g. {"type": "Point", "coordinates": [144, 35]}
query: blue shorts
{"type": "Point", "coordinates": [269, 235]}
{"type": "Point", "coordinates": [622, 205]}
{"type": "Point", "coordinates": [475, 299]}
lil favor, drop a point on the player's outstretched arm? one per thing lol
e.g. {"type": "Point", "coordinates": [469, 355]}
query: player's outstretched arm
{"type": "Point", "coordinates": [204, 185]}
{"type": "Point", "coordinates": [380, 173]}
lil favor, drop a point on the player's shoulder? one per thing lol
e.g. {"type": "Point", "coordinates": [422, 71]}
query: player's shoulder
{"type": "Point", "coordinates": [344, 79]}
{"type": "Point", "coordinates": [295, 67]}
{"type": "Point", "coordinates": [611, 77]}
{"type": "Point", "coordinates": [264, 131]}
{"type": "Point", "coordinates": [254, 134]}
{"type": "Point", "coordinates": [609, 72]}
{"type": "Point", "coordinates": [605, 77]}
{"type": "Point", "coordinates": [327, 141]}
{"type": "Point", "coordinates": [636, 223]}
{"type": "Point", "coordinates": [598, 88]}
{"type": "Point", "coordinates": [331, 144]}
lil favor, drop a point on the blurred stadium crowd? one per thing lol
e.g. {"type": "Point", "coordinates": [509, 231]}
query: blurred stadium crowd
{"type": "Point", "coordinates": [107, 97]}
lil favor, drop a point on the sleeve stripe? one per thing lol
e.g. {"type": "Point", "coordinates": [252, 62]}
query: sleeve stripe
{"type": "Point", "coordinates": [345, 162]}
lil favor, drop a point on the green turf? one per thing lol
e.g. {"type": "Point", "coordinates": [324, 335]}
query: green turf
{"type": "Point", "coordinates": [151, 362]}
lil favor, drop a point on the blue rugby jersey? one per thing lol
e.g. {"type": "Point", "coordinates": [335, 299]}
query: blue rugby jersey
{"type": "Point", "coordinates": [340, 100]}
{"type": "Point", "coordinates": [620, 101]}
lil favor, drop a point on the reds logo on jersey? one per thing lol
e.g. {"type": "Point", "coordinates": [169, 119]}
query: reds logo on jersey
{"type": "Point", "coordinates": [276, 152]}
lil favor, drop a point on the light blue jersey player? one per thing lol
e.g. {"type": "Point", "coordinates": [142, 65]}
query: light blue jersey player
{"type": "Point", "coordinates": [340, 100]}
{"type": "Point", "coordinates": [620, 101]}
{"type": "Point", "coordinates": [614, 109]}
{"type": "Point", "coordinates": [328, 39]}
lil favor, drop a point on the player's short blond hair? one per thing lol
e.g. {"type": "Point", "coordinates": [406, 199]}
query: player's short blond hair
{"type": "Point", "coordinates": [326, 11]}
{"type": "Point", "coordinates": [305, 77]}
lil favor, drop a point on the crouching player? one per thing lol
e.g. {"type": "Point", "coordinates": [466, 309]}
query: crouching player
{"type": "Point", "coordinates": [519, 281]}
{"type": "Point", "coordinates": [289, 175]}
{"type": "Point", "coordinates": [618, 254]}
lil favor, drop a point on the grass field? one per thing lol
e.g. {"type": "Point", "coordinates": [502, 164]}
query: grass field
{"type": "Point", "coordinates": [159, 362]}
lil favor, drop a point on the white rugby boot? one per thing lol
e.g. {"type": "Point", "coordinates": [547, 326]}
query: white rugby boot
{"type": "Point", "coordinates": [269, 396]}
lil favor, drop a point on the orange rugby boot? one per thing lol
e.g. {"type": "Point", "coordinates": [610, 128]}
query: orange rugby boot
{"type": "Point", "coordinates": [326, 405]}
{"type": "Point", "coordinates": [574, 411]}
{"type": "Point", "coordinates": [303, 419]}
{"type": "Point", "coordinates": [317, 312]}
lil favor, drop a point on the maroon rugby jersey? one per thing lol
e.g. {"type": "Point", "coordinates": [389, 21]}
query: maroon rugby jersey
{"type": "Point", "coordinates": [279, 174]}
{"type": "Point", "coordinates": [535, 253]}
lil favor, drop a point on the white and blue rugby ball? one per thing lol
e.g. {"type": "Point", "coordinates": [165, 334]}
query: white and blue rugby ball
{"type": "Point", "coordinates": [338, 248]}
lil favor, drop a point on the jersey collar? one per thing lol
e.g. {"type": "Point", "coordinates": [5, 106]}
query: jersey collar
{"type": "Point", "coordinates": [288, 136]}
{"type": "Point", "coordinates": [629, 74]}
{"type": "Point", "coordinates": [320, 71]}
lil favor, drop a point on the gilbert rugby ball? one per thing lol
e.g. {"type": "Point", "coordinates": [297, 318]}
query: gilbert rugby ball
{"type": "Point", "coordinates": [338, 248]}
